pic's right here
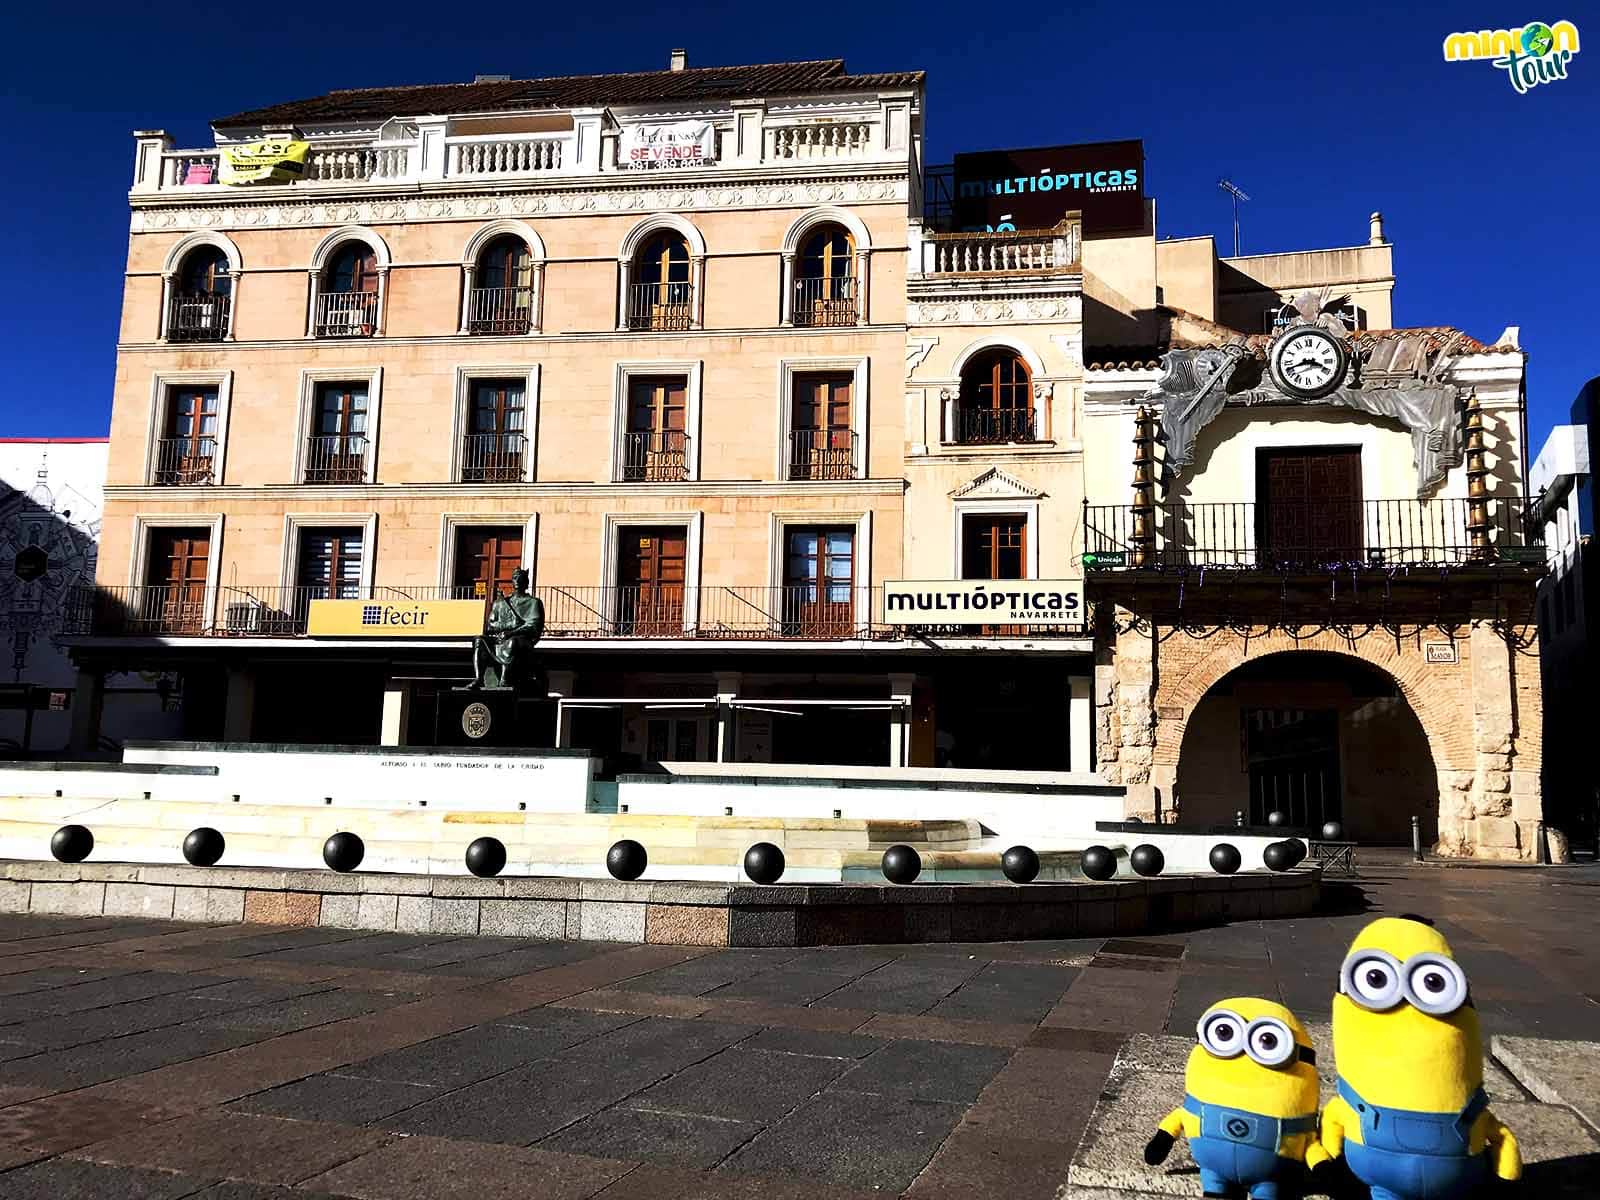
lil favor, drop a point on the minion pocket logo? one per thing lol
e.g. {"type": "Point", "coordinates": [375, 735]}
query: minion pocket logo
{"type": "Point", "coordinates": [1537, 53]}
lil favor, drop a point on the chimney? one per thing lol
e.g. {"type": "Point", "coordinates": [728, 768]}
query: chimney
{"type": "Point", "coordinates": [680, 59]}
{"type": "Point", "coordinates": [1376, 239]}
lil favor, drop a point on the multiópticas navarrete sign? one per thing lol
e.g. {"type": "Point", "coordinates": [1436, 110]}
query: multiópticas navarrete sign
{"type": "Point", "coordinates": [998, 190]}
{"type": "Point", "coordinates": [983, 602]}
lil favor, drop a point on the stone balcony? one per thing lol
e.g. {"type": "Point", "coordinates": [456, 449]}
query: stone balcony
{"type": "Point", "coordinates": [432, 151]}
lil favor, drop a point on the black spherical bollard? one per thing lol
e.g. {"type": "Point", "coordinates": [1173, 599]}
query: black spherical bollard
{"type": "Point", "coordinates": [204, 846]}
{"type": "Point", "coordinates": [1277, 856]}
{"type": "Point", "coordinates": [763, 863]}
{"type": "Point", "coordinates": [901, 864]}
{"type": "Point", "coordinates": [1297, 851]}
{"type": "Point", "coordinates": [1225, 858]}
{"type": "Point", "coordinates": [1147, 859]}
{"type": "Point", "coordinates": [1098, 862]}
{"type": "Point", "coordinates": [486, 856]}
{"type": "Point", "coordinates": [626, 859]}
{"type": "Point", "coordinates": [343, 851]}
{"type": "Point", "coordinates": [1020, 864]}
{"type": "Point", "coordinates": [71, 843]}
{"type": "Point", "coordinates": [1277, 818]}
{"type": "Point", "coordinates": [1333, 832]}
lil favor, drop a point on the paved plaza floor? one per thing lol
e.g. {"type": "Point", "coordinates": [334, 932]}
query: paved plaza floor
{"type": "Point", "coordinates": [153, 1060]}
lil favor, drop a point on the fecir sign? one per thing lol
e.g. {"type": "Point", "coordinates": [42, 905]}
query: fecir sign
{"type": "Point", "coordinates": [984, 602]}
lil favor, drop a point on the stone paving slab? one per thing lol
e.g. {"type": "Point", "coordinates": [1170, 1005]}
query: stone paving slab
{"type": "Point", "coordinates": [1555, 1072]}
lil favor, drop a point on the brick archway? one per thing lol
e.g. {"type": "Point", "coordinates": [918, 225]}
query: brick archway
{"type": "Point", "coordinates": [1449, 737]}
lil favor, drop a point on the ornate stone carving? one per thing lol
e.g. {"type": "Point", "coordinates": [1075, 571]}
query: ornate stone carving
{"type": "Point", "coordinates": [173, 212]}
{"type": "Point", "coordinates": [1197, 384]}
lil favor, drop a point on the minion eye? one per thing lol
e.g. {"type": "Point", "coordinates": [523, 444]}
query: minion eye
{"type": "Point", "coordinates": [1223, 1033]}
{"type": "Point", "coordinates": [1434, 984]}
{"type": "Point", "coordinates": [1372, 979]}
{"type": "Point", "coordinates": [1269, 1042]}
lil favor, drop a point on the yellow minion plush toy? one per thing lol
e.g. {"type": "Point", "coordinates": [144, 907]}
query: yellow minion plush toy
{"type": "Point", "coordinates": [1251, 1109]}
{"type": "Point", "coordinates": [1410, 1118]}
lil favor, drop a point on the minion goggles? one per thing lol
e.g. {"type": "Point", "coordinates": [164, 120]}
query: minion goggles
{"type": "Point", "coordinates": [1377, 980]}
{"type": "Point", "coordinates": [1267, 1040]}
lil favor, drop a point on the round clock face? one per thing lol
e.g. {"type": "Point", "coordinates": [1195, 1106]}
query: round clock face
{"type": "Point", "coordinates": [1308, 362]}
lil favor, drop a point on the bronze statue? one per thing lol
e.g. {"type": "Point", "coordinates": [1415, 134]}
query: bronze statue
{"type": "Point", "coordinates": [503, 656]}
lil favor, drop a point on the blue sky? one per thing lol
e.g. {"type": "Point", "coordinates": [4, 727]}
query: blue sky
{"type": "Point", "coordinates": [1322, 113]}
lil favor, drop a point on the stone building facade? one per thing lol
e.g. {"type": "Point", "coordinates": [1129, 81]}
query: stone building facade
{"type": "Point", "coordinates": [698, 349]}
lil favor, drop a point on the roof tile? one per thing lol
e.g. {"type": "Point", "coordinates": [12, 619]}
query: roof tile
{"type": "Point", "coordinates": [572, 91]}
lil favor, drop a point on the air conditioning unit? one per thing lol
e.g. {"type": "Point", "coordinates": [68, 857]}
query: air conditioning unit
{"type": "Point", "coordinates": [244, 616]}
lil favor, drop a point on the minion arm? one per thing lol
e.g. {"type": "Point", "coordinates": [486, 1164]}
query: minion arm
{"type": "Point", "coordinates": [1504, 1155]}
{"type": "Point", "coordinates": [1330, 1142]}
{"type": "Point", "coordinates": [1173, 1123]}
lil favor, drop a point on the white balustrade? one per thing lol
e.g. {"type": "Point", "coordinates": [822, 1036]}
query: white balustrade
{"type": "Point", "coordinates": [999, 253]}
{"type": "Point", "coordinates": [356, 164]}
{"type": "Point", "coordinates": [505, 157]}
{"type": "Point", "coordinates": [829, 139]}
{"type": "Point", "coordinates": [181, 168]}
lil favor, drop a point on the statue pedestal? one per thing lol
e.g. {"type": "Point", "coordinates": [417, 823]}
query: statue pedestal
{"type": "Point", "coordinates": [498, 717]}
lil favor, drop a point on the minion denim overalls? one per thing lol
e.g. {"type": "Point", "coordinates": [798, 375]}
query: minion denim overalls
{"type": "Point", "coordinates": [1413, 1155]}
{"type": "Point", "coordinates": [1240, 1149]}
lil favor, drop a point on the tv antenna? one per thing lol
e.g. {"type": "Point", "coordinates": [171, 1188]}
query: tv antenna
{"type": "Point", "coordinates": [1238, 194]}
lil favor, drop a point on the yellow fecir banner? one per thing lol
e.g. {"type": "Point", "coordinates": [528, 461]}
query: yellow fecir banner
{"type": "Point", "coordinates": [264, 162]}
{"type": "Point", "coordinates": [396, 618]}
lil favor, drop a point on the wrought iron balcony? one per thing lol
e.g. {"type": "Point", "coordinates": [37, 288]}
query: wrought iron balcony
{"type": "Point", "coordinates": [198, 316]}
{"type": "Point", "coordinates": [819, 611]}
{"type": "Point", "coordinates": [971, 426]}
{"type": "Point", "coordinates": [185, 461]}
{"type": "Point", "coordinates": [1312, 535]}
{"type": "Point", "coordinates": [659, 456]}
{"type": "Point", "coordinates": [336, 458]}
{"type": "Point", "coordinates": [825, 301]}
{"type": "Point", "coordinates": [822, 454]}
{"type": "Point", "coordinates": [347, 314]}
{"type": "Point", "coordinates": [503, 310]}
{"type": "Point", "coordinates": [660, 307]}
{"type": "Point", "coordinates": [493, 457]}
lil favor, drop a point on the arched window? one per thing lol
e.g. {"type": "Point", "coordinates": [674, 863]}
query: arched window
{"type": "Point", "coordinates": [347, 305]}
{"type": "Point", "coordinates": [502, 288]}
{"type": "Point", "coordinates": [996, 399]}
{"type": "Point", "coordinates": [661, 296]}
{"type": "Point", "coordinates": [201, 297]}
{"type": "Point", "coordinates": [825, 283]}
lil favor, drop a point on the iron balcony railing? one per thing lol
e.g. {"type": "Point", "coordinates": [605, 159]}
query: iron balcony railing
{"type": "Point", "coordinates": [825, 301]}
{"type": "Point", "coordinates": [493, 457]}
{"type": "Point", "coordinates": [822, 454]}
{"type": "Point", "coordinates": [198, 316]}
{"type": "Point", "coordinates": [185, 461]}
{"type": "Point", "coordinates": [655, 456]}
{"type": "Point", "coordinates": [992, 426]}
{"type": "Point", "coordinates": [1308, 535]}
{"type": "Point", "coordinates": [507, 310]}
{"type": "Point", "coordinates": [347, 314]}
{"type": "Point", "coordinates": [800, 612]}
{"type": "Point", "coordinates": [660, 307]}
{"type": "Point", "coordinates": [336, 458]}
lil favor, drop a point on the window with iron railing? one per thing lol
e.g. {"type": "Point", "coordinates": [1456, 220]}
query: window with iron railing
{"type": "Point", "coordinates": [336, 451]}
{"type": "Point", "coordinates": [494, 450]}
{"type": "Point", "coordinates": [655, 446]}
{"type": "Point", "coordinates": [996, 401]}
{"type": "Point", "coordinates": [501, 300]}
{"type": "Point", "coordinates": [202, 298]}
{"type": "Point", "coordinates": [347, 301]}
{"type": "Point", "coordinates": [660, 295]}
{"type": "Point", "coordinates": [825, 293]}
{"type": "Point", "coordinates": [186, 455]}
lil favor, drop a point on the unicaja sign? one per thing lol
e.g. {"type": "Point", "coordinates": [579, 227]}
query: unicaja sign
{"type": "Point", "coordinates": [1537, 53]}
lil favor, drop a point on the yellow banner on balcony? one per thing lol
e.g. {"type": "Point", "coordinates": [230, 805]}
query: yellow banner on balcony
{"type": "Point", "coordinates": [264, 162]}
{"type": "Point", "coordinates": [395, 618]}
